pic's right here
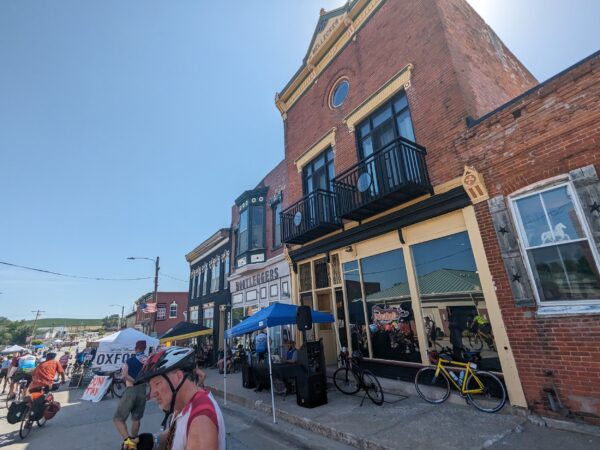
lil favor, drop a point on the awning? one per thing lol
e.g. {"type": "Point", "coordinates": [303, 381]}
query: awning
{"type": "Point", "coordinates": [185, 330]}
{"type": "Point", "coordinates": [276, 314]}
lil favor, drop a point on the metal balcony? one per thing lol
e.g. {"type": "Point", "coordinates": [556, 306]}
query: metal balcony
{"type": "Point", "coordinates": [311, 217]}
{"type": "Point", "coordinates": [387, 178]}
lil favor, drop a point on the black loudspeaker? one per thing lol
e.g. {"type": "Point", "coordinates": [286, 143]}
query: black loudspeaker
{"type": "Point", "coordinates": [304, 318]}
{"type": "Point", "coordinates": [247, 377]}
{"type": "Point", "coordinates": [311, 391]}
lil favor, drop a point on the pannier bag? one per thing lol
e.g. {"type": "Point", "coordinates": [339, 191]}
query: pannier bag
{"type": "Point", "coordinates": [15, 412]}
{"type": "Point", "coordinates": [51, 410]}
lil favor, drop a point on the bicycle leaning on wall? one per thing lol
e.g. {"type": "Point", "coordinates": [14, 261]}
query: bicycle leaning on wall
{"type": "Point", "coordinates": [351, 378]}
{"type": "Point", "coordinates": [481, 389]}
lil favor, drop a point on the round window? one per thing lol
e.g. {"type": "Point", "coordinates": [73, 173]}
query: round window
{"type": "Point", "coordinates": [340, 92]}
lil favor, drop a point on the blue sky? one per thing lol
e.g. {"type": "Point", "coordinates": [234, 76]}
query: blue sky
{"type": "Point", "coordinates": [127, 128]}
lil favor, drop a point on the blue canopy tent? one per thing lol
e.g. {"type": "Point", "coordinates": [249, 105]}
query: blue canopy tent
{"type": "Point", "coordinates": [274, 315]}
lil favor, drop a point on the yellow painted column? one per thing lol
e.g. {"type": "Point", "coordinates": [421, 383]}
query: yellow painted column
{"type": "Point", "coordinates": [507, 359]}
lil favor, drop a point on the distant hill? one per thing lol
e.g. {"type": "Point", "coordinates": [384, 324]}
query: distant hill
{"type": "Point", "coordinates": [58, 322]}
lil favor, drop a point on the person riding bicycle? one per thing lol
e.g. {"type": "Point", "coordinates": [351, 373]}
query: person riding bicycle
{"type": "Point", "coordinates": [43, 377]}
{"type": "Point", "coordinates": [197, 419]}
{"type": "Point", "coordinates": [64, 360]}
{"type": "Point", "coordinates": [25, 366]}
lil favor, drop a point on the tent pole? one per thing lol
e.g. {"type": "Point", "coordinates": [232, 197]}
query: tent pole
{"type": "Point", "coordinates": [271, 374]}
{"type": "Point", "coordinates": [224, 368]}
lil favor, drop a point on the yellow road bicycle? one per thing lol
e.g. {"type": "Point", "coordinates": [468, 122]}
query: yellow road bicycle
{"type": "Point", "coordinates": [481, 389]}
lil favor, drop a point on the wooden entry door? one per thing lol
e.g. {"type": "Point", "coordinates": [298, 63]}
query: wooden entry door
{"type": "Point", "coordinates": [326, 330]}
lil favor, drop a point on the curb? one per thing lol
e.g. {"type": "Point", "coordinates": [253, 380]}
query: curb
{"type": "Point", "coordinates": [564, 425]}
{"type": "Point", "coordinates": [302, 422]}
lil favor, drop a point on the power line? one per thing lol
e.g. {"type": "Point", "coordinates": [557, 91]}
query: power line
{"type": "Point", "coordinates": [72, 276]}
{"type": "Point", "coordinates": [174, 278]}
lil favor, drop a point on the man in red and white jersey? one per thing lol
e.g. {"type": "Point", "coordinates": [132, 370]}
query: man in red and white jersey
{"type": "Point", "coordinates": [197, 423]}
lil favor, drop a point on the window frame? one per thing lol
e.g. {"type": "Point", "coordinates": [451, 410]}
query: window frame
{"type": "Point", "coordinates": [171, 305]}
{"type": "Point", "coordinates": [275, 225]}
{"type": "Point", "coordinates": [327, 162]}
{"type": "Point", "coordinates": [521, 236]}
{"type": "Point", "coordinates": [204, 281]}
{"type": "Point", "coordinates": [389, 103]}
{"type": "Point", "coordinates": [215, 277]}
{"type": "Point", "coordinates": [161, 307]}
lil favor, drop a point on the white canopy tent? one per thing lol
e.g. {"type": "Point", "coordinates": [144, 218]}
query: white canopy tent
{"type": "Point", "coordinates": [114, 349]}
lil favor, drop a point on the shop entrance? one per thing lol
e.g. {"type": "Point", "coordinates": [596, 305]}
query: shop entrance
{"type": "Point", "coordinates": [326, 330]}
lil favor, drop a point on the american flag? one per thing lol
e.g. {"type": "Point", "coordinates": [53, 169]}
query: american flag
{"type": "Point", "coordinates": [148, 308]}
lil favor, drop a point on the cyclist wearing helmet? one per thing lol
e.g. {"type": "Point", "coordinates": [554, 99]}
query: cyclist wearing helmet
{"type": "Point", "coordinates": [197, 420]}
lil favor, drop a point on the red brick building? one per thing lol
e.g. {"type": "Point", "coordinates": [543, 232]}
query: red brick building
{"type": "Point", "coordinates": [413, 136]}
{"type": "Point", "coordinates": [172, 308]}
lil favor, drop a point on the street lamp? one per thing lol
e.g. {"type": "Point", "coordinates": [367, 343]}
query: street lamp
{"type": "Point", "coordinates": [156, 269]}
{"type": "Point", "coordinates": [122, 312]}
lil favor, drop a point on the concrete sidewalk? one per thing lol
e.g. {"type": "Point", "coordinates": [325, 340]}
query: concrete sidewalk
{"type": "Point", "coordinates": [402, 421]}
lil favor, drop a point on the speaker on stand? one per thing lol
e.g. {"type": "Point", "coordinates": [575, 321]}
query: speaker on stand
{"type": "Point", "coordinates": [311, 385]}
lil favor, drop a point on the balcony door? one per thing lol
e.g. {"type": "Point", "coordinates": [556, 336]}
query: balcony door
{"type": "Point", "coordinates": [378, 133]}
{"type": "Point", "coordinates": [317, 176]}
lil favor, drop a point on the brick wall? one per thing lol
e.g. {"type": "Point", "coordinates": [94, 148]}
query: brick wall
{"type": "Point", "coordinates": [450, 47]}
{"type": "Point", "coordinates": [166, 298]}
{"type": "Point", "coordinates": [558, 130]}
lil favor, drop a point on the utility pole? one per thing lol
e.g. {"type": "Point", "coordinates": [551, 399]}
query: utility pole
{"type": "Point", "coordinates": [122, 316]}
{"type": "Point", "coordinates": [38, 313]}
{"type": "Point", "coordinates": [156, 269]}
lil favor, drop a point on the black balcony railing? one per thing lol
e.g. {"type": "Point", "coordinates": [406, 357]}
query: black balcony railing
{"type": "Point", "coordinates": [387, 178]}
{"type": "Point", "coordinates": [313, 216]}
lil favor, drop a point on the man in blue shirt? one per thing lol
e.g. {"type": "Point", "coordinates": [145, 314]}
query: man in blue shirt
{"type": "Point", "coordinates": [260, 343]}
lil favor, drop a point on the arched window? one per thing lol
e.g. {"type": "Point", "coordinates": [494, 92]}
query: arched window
{"type": "Point", "coordinates": [173, 310]}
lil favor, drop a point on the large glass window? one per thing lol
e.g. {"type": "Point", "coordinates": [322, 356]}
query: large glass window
{"type": "Point", "coordinates": [242, 234]}
{"type": "Point", "coordinates": [318, 173]}
{"type": "Point", "coordinates": [276, 224]}
{"type": "Point", "coordinates": [205, 281]}
{"type": "Point", "coordinates": [226, 272]}
{"type": "Point", "coordinates": [386, 124]}
{"type": "Point", "coordinates": [215, 273]}
{"type": "Point", "coordinates": [198, 285]}
{"type": "Point", "coordinates": [389, 308]}
{"type": "Point", "coordinates": [356, 312]}
{"type": "Point", "coordinates": [453, 306]}
{"type": "Point", "coordinates": [208, 316]}
{"type": "Point", "coordinates": [258, 227]}
{"type": "Point", "coordinates": [194, 281]}
{"type": "Point", "coordinates": [558, 249]}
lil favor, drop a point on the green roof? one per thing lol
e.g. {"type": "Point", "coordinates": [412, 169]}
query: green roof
{"type": "Point", "coordinates": [443, 282]}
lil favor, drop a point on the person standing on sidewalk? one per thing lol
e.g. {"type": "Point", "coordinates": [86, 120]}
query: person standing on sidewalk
{"type": "Point", "coordinates": [133, 401]}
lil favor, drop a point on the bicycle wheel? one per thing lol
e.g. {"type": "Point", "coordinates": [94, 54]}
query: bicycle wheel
{"type": "Point", "coordinates": [432, 388]}
{"type": "Point", "coordinates": [372, 386]}
{"type": "Point", "coordinates": [475, 342]}
{"type": "Point", "coordinates": [493, 396]}
{"type": "Point", "coordinates": [26, 423]}
{"type": "Point", "coordinates": [346, 381]}
{"type": "Point", "coordinates": [118, 388]}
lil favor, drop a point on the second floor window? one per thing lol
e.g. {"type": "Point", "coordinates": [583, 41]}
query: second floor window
{"type": "Point", "coordinates": [388, 123]}
{"type": "Point", "coordinates": [243, 232]}
{"type": "Point", "coordinates": [318, 173]}
{"type": "Point", "coordinates": [204, 281]}
{"type": "Point", "coordinates": [198, 285]}
{"type": "Point", "coordinates": [215, 273]}
{"type": "Point", "coordinates": [161, 312]}
{"type": "Point", "coordinates": [276, 208]}
{"type": "Point", "coordinates": [194, 281]}
{"type": "Point", "coordinates": [173, 310]}
{"type": "Point", "coordinates": [225, 272]}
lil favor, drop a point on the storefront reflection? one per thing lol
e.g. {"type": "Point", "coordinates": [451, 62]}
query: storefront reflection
{"type": "Point", "coordinates": [452, 301]}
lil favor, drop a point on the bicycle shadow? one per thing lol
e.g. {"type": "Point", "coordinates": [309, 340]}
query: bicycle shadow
{"type": "Point", "coordinates": [10, 438]}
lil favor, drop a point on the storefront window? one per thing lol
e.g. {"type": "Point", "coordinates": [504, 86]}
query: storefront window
{"type": "Point", "coordinates": [358, 329]}
{"type": "Point", "coordinates": [321, 274]}
{"type": "Point", "coordinates": [389, 308]}
{"type": "Point", "coordinates": [453, 306]}
{"type": "Point", "coordinates": [237, 315]}
{"type": "Point", "coordinates": [305, 278]}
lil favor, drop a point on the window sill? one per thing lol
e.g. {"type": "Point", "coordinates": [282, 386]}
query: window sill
{"type": "Point", "coordinates": [567, 310]}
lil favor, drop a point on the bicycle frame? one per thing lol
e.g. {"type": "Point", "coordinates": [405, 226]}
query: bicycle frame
{"type": "Point", "coordinates": [463, 367]}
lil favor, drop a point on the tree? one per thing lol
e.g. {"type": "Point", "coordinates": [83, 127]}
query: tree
{"type": "Point", "coordinates": [111, 322]}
